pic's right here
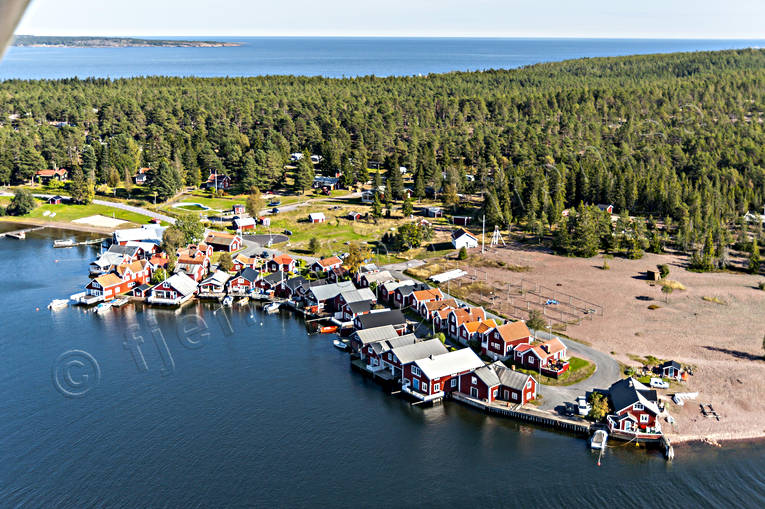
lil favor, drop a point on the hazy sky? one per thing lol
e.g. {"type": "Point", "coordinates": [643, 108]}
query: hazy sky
{"type": "Point", "coordinates": [489, 18]}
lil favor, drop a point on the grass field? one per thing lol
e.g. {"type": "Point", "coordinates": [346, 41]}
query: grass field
{"type": "Point", "coordinates": [66, 213]}
{"type": "Point", "coordinates": [579, 370]}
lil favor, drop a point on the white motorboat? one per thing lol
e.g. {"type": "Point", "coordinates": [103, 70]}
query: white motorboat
{"type": "Point", "coordinates": [58, 304]}
{"type": "Point", "coordinates": [228, 301]}
{"type": "Point", "coordinates": [340, 345]}
{"type": "Point", "coordinates": [103, 307]}
{"type": "Point", "coordinates": [63, 243]}
{"type": "Point", "coordinates": [599, 440]}
{"type": "Point", "coordinates": [272, 308]}
{"type": "Point", "coordinates": [120, 302]}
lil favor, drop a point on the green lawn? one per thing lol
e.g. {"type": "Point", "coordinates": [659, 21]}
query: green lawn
{"type": "Point", "coordinates": [66, 213]}
{"type": "Point", "coordinates": [579, 370]}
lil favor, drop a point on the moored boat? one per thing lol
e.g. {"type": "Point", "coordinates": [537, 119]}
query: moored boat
{"type": "Point", "coordinates": [328, 329]}
{"type": "Point", "coordinates": [272, 308]}
{"type": "Point", "coordinates": [103, 307]}
{"type": "Point", "coordinates": [599, 440]}
{"type": "Point", "coordinates": [63, 243]}
{"type": "Point", "coordinates": [120, 302]}
{"type": "Point", "coordinates": [228, 301]}
{"type": "Point", "coordinates": [58, 304]}
{"type": "Point", "coordinates": [341, 345]}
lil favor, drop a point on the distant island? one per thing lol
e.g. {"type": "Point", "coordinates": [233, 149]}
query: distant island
{"type": "Point", "coordinates": [37, 41]}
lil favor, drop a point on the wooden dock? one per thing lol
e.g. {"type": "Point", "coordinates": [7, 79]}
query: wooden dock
{"type": "Point", "coordinates": [527, 414]}
{"type": "Point", "coordinates": [20, 234]}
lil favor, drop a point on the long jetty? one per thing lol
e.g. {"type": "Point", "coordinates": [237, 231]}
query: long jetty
{"type": "Point", "coordinates": [23, 231]}
{"type": "Point", "coordinates": [527, 414]}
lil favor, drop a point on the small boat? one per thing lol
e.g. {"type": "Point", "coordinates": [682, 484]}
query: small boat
{"type": "Point", "coordinates": [120, 302]}
{"type": "Point", "coordinates": [243, 301]}
{"type": "Point", "coordinates": [340, 345]}
{"type": "Point", "coordinates": [328, 329]}
{"type": "Point", "coordinates": [103, 307]}
{"type": "Point", "coordinates": [58, 304]}
{"type": "Point", "coordinates": [19, 235]}
{"type": "Point", "coordinates": [272, 308]}
{"type": "Point", "coordinates": [228, 301]}
{"type": "Point", "coordinates": [63, 243]}
{"type": "Point", "coordinates": [599, 440]}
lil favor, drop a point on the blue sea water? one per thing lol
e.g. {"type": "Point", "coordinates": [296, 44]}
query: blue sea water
{"type": "Point", "coordinates": [242, 409]}
{"type": "Point", "coordinates": [332, 56]}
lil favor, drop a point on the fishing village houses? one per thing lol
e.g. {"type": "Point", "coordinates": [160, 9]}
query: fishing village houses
{"type": "Point", "coordinates": [400, 331]}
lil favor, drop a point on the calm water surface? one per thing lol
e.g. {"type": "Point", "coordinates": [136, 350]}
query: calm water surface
{"type": "Point", "coordinates": [332, 57]}
{"type": "Point", "coordinates": [272, 416]}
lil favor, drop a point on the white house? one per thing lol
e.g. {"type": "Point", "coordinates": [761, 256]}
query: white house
{"type": "Point", "coordinates": [316, 217]}
{"type": "Point", "coordinates": [463, 238]}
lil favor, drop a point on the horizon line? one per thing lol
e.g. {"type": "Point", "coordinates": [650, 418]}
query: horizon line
{"type": "Point", "coordinates": [409, 36]}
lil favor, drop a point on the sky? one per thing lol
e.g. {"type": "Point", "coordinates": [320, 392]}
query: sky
{"type": "Point", "coordinates": [723, 19]}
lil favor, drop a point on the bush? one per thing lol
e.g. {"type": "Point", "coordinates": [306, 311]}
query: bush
{"type": "Point", "coordinates": [225, 262]}
{"type": "Point", "coordinates": [536, 320]}
{"type": "Point", "coordinates": [761, 285]}
{"type": "Point", "coordinates": [462, 254]}
{"type": "Point", "coordinates": [22, 203]}
{"type": "Point", "coordinates": [314, 245]}
{"type": "Point", "coordinates": [663, 270]}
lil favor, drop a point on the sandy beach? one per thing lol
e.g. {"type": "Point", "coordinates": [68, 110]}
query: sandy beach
{"type": "Point", "coordinates": [716, 326]}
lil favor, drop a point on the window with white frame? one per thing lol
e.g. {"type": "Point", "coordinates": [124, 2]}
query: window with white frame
{"type": "Point", "coordinates": [528, 384]}
{"type": "Point", "coordinates": [454, 382]}
{"type": "Point", "coordinates": [644, 418]}
{"type": "Point", "coordinates": [416, 371]}
{"type": "Point", "coordinates": [638, 406]}
{"type": "Point", "coordinates": [473, 380]}
{"type": "Point", "coordinates": [515, 396]}
{"type": "Point", "coordinates": [436, 387]}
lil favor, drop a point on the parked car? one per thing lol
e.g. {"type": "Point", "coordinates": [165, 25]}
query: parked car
{"type": "Point", "coordinates": [264, 254]}
{"type": "Point", "coordinates": [658, 383]}
{"type": "Point", "coordinates": [287, 232]}
{"type": "Point", "coordinates": [275, 210]}
{"type": "Point", "coordinates": [155, 220]}
{"type": "Point", "coordinates": [582, 406]}
{"type": "Point", "coordinates": [274, 203]}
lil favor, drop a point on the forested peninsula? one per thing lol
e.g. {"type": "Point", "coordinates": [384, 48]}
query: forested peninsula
{"type": "Point", "coordinates": [40, 41]}
{"type": "Point", "coordinates": [676, 137]}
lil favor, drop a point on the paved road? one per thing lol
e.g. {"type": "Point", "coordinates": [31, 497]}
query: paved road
{"type": "Point", "coordinates": [136, 210]}
{"type": "Point", "coordinates": [294, 206]}
{"type": "Point", "coordinates": [116, 205]}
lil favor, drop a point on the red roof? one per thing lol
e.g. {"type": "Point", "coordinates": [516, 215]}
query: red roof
{"type": "Point", "coordinates": [51, 173]}
{"type": "Point", "coordinates": [283, 259]}
{"type": "Point", "coordinates": [328, 262]}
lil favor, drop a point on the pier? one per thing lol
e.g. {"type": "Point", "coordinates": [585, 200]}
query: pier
{"type": "Point", "coordinates": [527, 414]}
{"type": "Point", "coordinates": [20, 234]}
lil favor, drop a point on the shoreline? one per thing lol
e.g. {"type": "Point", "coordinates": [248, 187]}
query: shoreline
{"type": "Point", "coordinates": [84, 228]}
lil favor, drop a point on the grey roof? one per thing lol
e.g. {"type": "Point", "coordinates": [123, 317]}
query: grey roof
{"type": "Point", "coordinates": [509, 377]}
{"type": "Point", "coordinates": [487, 375]}
{"type": "Point", "coordinates": [409, 289]}
{"type": "Point", "coordinates": [629, 391]}
{"type": "Point", "coordinates": [386, 345]}
{"type": "Point", "coordinates": [249, 274]}
{"type": "Point", "coordinates": [390, 317]}
{"type": "Point", "coordinates": [361, 306]}
{"type": "Point", "coordinates": [219, 277]}
{"type": "Point", "coordinates": [379, 277]}
{"type": "Point", "coordinates": [450, 363]}
{"type": "Point", "coordinates": [671, 364]}
{"type": "Point", "coordinates": [123, 250]}
{"type": "Point", "coordinates": [363, 294]}
{"type": "Point", "coordinates": [107, 259]}
{"type": "Point", "coordinates": [409, 353]}
{"type": "Point", "coordinates": [275, 278]}
{"type": "Point", "coordinates": [391, 286]}
{"type": "Point", "coordinates": [144, 233]}
{"type": "Point", "coordinates": [330, 291]}
{"type": "Point", "coordinates": [183, 283]}
{"type": "Point", "coordinates": [375, 334]}
{"type": "Point", "coordinates": [296, 282]}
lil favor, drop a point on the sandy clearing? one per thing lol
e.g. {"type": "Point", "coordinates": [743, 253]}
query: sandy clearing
{"type": "Point", "coordinates": [724, 342]}
{"type": "Point", "coordinates": [100, 221]}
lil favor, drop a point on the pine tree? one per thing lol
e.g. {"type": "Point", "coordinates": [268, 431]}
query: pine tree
{"type": "Point", "coordinates": [163, 181]}
{"type": "Point", "coordinates": [754, 258]}
{"type": "Point", "coordinates": [81, 188]}
{"type": "Point", "coordinates": [419, 185]}
{"type": "Point", "coordinates": [304, 174]}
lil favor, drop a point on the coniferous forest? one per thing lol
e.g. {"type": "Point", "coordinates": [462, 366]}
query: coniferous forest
{"type": "Point", "coordinates": [674, 137]}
